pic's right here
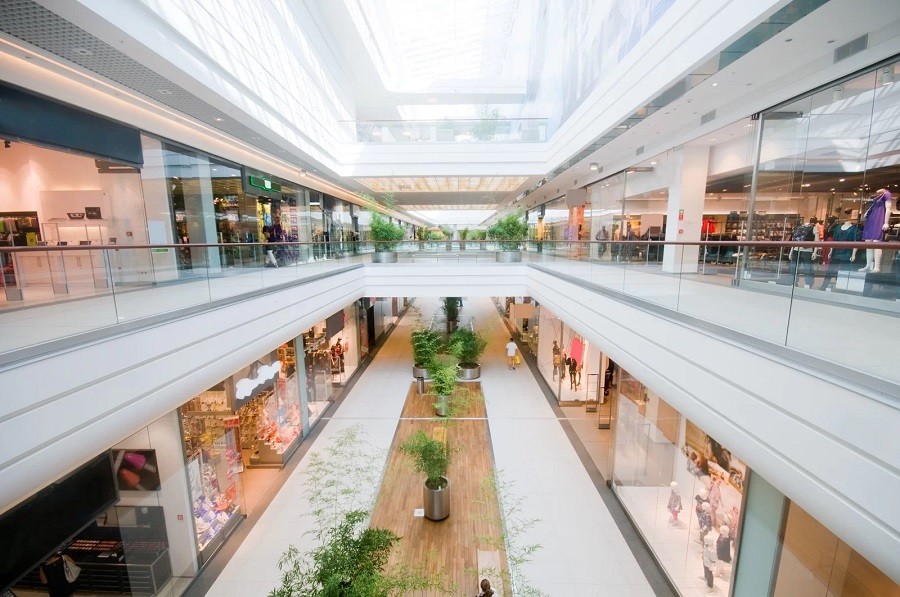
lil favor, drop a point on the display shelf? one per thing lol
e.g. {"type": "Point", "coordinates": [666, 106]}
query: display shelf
{"type": "Point", "coordinates": [93, 231]}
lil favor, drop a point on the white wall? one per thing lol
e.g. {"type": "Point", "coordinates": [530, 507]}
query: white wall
{"type": "Point", "coordinates": [164, 436]}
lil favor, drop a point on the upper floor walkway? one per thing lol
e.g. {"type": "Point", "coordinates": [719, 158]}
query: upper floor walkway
{"type": "Point", "coordinates": [771, 293]}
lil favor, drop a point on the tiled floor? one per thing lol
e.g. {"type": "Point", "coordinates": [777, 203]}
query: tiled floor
{"type": "Point", "coordinates": [582, 551]}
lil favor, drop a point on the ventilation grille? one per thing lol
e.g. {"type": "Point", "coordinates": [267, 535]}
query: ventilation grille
{"type": "Point", "coordinates": [34, 24]}
{"type": "Point", "coordinates": [851, 47]}
{"type": "Point", "coordinates": [708, 117]}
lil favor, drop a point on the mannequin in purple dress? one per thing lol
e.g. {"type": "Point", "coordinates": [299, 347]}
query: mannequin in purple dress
{"type": "Point", "coordinates": [874, 227]}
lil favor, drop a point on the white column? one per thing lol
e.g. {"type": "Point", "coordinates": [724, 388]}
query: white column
{"type": "Point", "coordinates": [687, 193]}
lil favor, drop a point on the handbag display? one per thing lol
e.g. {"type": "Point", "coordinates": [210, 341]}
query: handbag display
{"type": "Point", "coordinates": [71, 569]}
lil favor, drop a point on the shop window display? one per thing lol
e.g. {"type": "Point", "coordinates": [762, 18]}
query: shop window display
{"type": "Point", "coordinates": [214, 464]}
{"type": "Point", "coordinates": [683, 488]}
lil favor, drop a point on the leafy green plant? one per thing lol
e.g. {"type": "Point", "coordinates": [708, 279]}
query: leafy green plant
{"type": "Point", "coordinates": [467, 346]}
{"type": "Point", "coordinates": [509, 534]}
{"type": "Point", "coordinates": [451, 308]}
{"type": "Point", "coordinates": [464, 234]}
{"type": "Point", "coordinates": [429, 457]}
{"type": "Point", "coordinates": [422, 233]}
{"type": "Point", "coordinates": [350, 559]}
{"type": "Point", "coordinates": [426, 343]}
{"type": "Point", "coordinates": [509, 231]}
{"type": "Point", "coordinates": [443, 379]}
{"type": "Point", "coordinates": [386, 234]}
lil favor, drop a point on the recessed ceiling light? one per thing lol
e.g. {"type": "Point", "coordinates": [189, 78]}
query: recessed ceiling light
{"type": "Point", "coordinates": [748, 125]}
{"type": "Point", "coordinates": [594, 166]}
{"type": "Point", "coordinates": [652, 163]}
{"type": "Point", "coordinates": [164, 92]}
{"type": "Point", "coordinates": [841, 179]}
{"type": "Point", "coordinates": [806, 184]}
{"type": "Point", "coordinates": [715, 85]}
{"type": "Point", "coordinates": [218, 120]}
{"type": "Point", "coordinates": [82, 51]}
{"type": "Point", "coordinates": [832, 189]}
{"type": "Point", "coordinates": [714, 140]}
{"type": "Point", "coordinates": [724, 190]}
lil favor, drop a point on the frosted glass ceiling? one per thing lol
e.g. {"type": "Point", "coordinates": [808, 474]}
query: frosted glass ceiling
{"type": "Point", "coordinates": [436, 41]}
{"type": "Point", "coordinates": [452, 39]}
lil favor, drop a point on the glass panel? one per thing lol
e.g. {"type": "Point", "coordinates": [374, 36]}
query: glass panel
{"type": "Point", "coordinates": [848, 177]}
{"type": "Point", "coordinates": [816, 562]}
{"type": "Point", "coordinates": [683, 489]}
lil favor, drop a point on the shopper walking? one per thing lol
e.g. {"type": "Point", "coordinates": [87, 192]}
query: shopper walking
{"type": "Point", "coordinates": [511, 353]}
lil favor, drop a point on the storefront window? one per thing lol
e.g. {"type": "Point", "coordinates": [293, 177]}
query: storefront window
{"type": "Point", "coordinates": [319, 378]}
{"type": "Point", "coordinates": [823, 156]}
{"type": "Point", "coordinates": [683, 489]}
{"type": "Point", "coordinates": [815, 562]}
{"type": "Point", "coordinates": [249, 422]}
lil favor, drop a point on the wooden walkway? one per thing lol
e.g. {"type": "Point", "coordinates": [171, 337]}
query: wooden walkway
{"type": "Point", "coordinates": [448, 546]}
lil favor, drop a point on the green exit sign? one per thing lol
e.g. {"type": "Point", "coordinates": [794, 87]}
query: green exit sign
{"type": "Point", "coordinates": [265, 184]}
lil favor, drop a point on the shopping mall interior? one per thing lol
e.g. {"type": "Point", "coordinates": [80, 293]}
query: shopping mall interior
{"type": "Point", "coordinates": [449, 297]}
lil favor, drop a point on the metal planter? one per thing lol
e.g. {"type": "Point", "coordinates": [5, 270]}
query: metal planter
{"type": "Point", "coordinates": [384, 257]}
{"type": "Point", "coordinates": [509, 256]}
{"type": "Point", "coordinates": [465, 372]}
{"type": "Point", "coordinates": [437, 501]}
{"type": "Point", "coordinates": [442, 406]}
{"type": "Point", "coordinates": [420, 371]}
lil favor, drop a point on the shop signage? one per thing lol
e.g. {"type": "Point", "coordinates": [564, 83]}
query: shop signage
{"type": "Point", "coordinates": [263, 183]}
{"type": "Point", "coordinates": [259, 377]}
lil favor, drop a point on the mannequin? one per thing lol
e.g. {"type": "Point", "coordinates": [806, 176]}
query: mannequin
{"type": "Point", "coordinates": [715, 499]}
{"type": "Point", "coordinates": [704, 521]}
{"type": "Point", "coordinates": [723, 550]}
{"type": "Point", "coordinates": [709, 561]}
{"type": "Point", "coordinates": [839, 258]}
{"type": "Point", "coordinates": [674, 505]}
{"type": "Point", "coordinates": [700, 499]}
{"type": "Point", "coordinates": [874, 228]}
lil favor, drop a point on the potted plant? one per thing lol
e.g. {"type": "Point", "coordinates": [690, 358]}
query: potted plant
{"type": "Point", "coordinates": [426, 343]}
{"type": "Point", "coordinates": [467, 346]}
{"type": "Point", "coordinates": [509, 232]}
{"type": "Point", "coordinates": [422, 235]}
{"type": "Point", "coordinates": [386, 236]}
{"type": "Point", "coordinates": [448, 236]}
{"type": "Point", "coordinates": [482, 239]}
{"type": "Point", "coordinates": [451, 312]}
{"type": "Point", "coordinates": [463, 235]}
{"type": "Point", "coordinates": [431, 458]}
{"type": "Point", "coordinates": [443, 382]}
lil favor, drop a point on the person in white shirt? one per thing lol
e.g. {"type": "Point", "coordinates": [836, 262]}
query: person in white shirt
{"type": "Point", "coordinates": [511, 351]}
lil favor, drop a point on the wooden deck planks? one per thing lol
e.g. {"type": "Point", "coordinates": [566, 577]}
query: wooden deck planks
{"type": "Point", "coordinates": [450, 545]}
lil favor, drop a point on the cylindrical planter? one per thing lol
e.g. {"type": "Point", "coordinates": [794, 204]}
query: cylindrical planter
{"type": "Point", "coordinates": [509, 256]}
{"type": "Point", "coordinates": [437, 501]}
{"type": "Point", "coordinates": [420, 386]}
{"type": "Point", "coordinates": [451, 325]}
{"type": "Point", "coordinates": [420, 371]}
{"type": "Point", "coordinates": [384, 257]}
{"type": "Point", "coordinates": [468, 372]}
{"type": "Point", "coordinates": [442, 406]}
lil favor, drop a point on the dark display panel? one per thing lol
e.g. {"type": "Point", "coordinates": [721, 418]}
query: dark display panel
{"type": "Point", "coordinates": [40, 525]}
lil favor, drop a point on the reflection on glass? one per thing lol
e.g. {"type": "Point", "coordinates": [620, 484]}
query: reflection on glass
{"type": "Point", "coordinates": [682, 487]}
{"type": "Point", "coordinates": [815, 562]}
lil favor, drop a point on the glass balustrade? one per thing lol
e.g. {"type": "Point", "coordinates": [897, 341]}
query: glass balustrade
{"type": "Point", "coordinates": [823, 299]}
